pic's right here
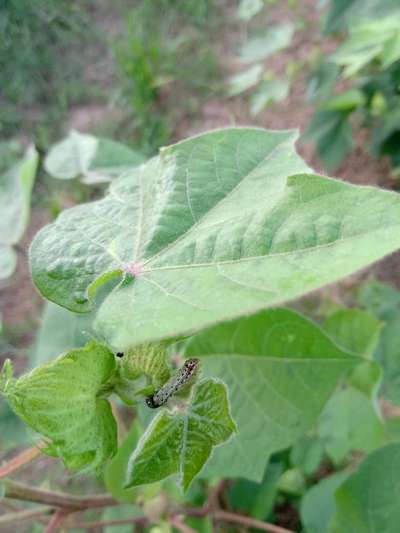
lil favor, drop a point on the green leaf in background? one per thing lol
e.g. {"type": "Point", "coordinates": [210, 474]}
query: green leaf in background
{"type": "Point", "coordinates": [182, 442]}
{"type": "Point", "coordinates": [332, 135]}
{"type": "Point", "coordinates": [267, 92]}
{"type": "Point", "coordinates": [60, 331]}
{"type": "Point", "coordinates": [244, 80]}
{"type": "Point", "coordinates": [349, 423]}
{"type": "Point", "coordinates": [307, 453]}
{"type": "Point", "coordinates": [120, 512]}
{"type": "Point", "coordinates": [62, 400]}
{"type": "Point", "coordinates": [322, 81]}
{"type": "Point", "coordinates": [354, 330]}
{"type": "Point", "coordinates": [269, 42]}
{"type": "Point", "coordinates": [318, 504]}
{"type": "Point", "coordinates": [256, 499]}
{"type": "Point", "coordinates": [368, 41]}
{"type": "Point", "coordinates": [384, 301]}
{"type": "Point", "coordinates": [115, 472]}
{"type": "Point", "coordinates": [368, 501]}
{"type": "Point", "coordinates": [15, 195]}
{"type": "Point", "coordinates": [348, 101]}
{"type": "Point", "coordinates": [358, 331]}
{"type": "Point", "coordinates": [344, 13]}
{"type": "Point", "coordinates": [217, 226]}
{"type": "Point", "coordinates": [94, 160]}
{"type": "Point", "coordinates": [280, 369]}
{"type": "Point", "coordinates": [249, 8]}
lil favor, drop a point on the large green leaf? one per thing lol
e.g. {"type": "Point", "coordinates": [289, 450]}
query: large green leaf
{"type": "Point", "coordinates": [368, 501]}
{"type": "Point", "coordinates": [15, 195]}
{"type": "Point", "coordinates": [182, 442]}
{"type": "Point", "coordinates": [217, 226]}
{"type": "Point", "coordinates": [64, 402]}
{"type": "Point", "coordinates": [280, 369]}
{"type": "Point", "coordinates": [93, 159]}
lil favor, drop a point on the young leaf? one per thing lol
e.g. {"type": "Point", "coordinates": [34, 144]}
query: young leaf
{"type": "Point", "coordinates": [368, 501]}
{"type": "Point", "coordinates": [241, 82]}
{"type": "Point", "coordinates": [217, 226]}
{"type": "Point", "coordinates": [93, 159]}
{"type": "Point", "coordinates": [63, 401]}
{"type": "Point", "coordinates": [280, 369]}
{"type": "Point", "coordinates": [15, 194]}
{"type": "Point", "coordinates": [183, 442]}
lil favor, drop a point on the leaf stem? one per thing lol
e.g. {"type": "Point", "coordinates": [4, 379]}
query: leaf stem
{"type": "Point", "coordinates": [225, 516]}
{"type": "Point", "coordinates": [19, 491]}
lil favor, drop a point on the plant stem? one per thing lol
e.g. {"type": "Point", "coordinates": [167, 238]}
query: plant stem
{"type": "Point", "coordinates": [20, 516]}
{"type": "Point", "coordinates": [57, 520]}
{"type": "Point", "coordinates": [180, 526]}
{"type": "Point", "coordinates": [19, 491]}
{"type": "Point", "coordinates": [138, 520]}
{"type": "Point", "coordinates": [224, 516]}
{"type": "Point", "coordinates": [20, 460]}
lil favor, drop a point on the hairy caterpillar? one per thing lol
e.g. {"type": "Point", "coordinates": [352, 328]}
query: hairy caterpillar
{"type": "Point", "coordinates": [173, 385]}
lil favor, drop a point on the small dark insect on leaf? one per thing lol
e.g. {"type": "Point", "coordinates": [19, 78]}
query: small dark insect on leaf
{"type": "Point", "coordinates": [174, 385]}
{"type": "Point", "coordinates": [120, 354]}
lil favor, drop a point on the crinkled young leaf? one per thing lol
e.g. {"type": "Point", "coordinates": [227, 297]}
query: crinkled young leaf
{"type": "Point", "coordinates": [63, 401]}
{"type": "Point", "coordinates": [280, 369]}
{"type": "Point", "coordinates": [93, 159]}
{"type": "Point", "coordinates": [183, 442]}
{"type": "Point", "coordinates": [15, 194]}
{"type": "Point", "coordinates": [217, 226]}
{"type": "Point", "coordinates": [368, 501]}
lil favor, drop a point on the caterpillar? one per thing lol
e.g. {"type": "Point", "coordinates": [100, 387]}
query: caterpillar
{"type": "Point", "coordinates": [173, 385]}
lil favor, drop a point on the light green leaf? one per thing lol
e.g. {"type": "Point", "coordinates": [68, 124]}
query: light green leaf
{"type": "Point", "coordinates": [239, 83]}
{"type": "Point", "coordinates": [64, 402]}
{"type": "Point", "coordinates": [182, 442]}
{"type": "Point", "coordinates": [318, 503]}
{"type": "Point", "coordinates": [368, 501]}
{"type": "Point", "coordinates": [249, 8]}
{"type": "Point", "coordinates": [217, 226]}
{"type": "Point", "coordinates": [280, 370]}
{"type": "Point", "coordinates": [349, 423]}
{"type": "Point", "coordinates": [93, 159]}
{"type": "Point", "coordinates": [15, 195]}
{"type": "Point", "coordinates": [272, 40]}
{"type": "Point", "coordinates": [268, 91]}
